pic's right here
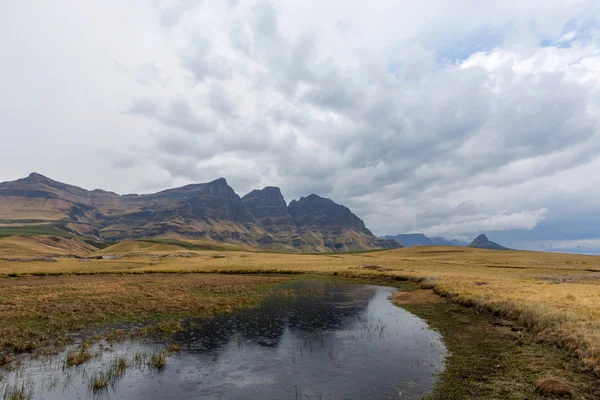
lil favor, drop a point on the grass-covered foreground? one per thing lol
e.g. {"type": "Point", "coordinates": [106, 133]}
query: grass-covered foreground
{"type": "Point", "coordinates": [493, 358]}
{"type": "Point", "coordinates": [545, 304]}
{"type": "Point", "coordinates": [37, 313]}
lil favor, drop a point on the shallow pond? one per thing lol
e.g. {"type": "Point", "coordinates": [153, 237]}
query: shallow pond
{"type": "Point", "coordinates": [309, 340]}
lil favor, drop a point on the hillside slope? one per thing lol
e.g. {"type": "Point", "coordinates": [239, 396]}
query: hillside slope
{"type": "Point", "coordinates": [35, 246]}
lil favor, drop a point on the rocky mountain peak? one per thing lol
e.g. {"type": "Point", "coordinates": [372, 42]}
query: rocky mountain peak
{"type": "Point", "coordinates": [319, 211]}
{"type": "Point", "coordinates": [482, 242]}
{"type": "Point", "coordinates": [270, 195]}
{"type": "Point", "coordinates": [219, 182]}
{"type": "Point", "coordinates": [267, 202]}
{"type": "Point", "coordinates": [35, 175]}
{"type": "Point", "coordinates": [35, 178]}
{"type": "Point", "coordinates": [39, 186]}
{"type": "Point", "coordinates": [272, 191]}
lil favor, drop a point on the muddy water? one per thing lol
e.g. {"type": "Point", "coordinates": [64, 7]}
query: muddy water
{"type": "Point", "coordinates": [310, 340]}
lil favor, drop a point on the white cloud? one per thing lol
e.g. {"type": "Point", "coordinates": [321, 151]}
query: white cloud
{"type": "Point", "coordinates": [488, 223]}
{"type": "Point", "coordinates": [567, 37]}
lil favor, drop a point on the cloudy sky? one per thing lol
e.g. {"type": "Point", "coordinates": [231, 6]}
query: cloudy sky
{"type": "Point", "coordinates": [449, 118]}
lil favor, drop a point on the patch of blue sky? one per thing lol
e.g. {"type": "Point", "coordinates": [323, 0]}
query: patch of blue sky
{"type": "Point", "coordinates": [582, 226]}
{"type": "Point", "coordinates": [475, 41]}
{"type": "Point", "coordinates": [574, 30]}
{"type": "Point", "coordinates": [393, 66]}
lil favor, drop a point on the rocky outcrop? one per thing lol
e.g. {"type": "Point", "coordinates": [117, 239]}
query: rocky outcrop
{"type": "Point", "coordinates": [324, 223]}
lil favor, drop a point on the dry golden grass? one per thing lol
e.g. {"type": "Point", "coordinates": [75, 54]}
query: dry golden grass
{"type": "Point", "coordinates": [36, 312]}
{"type": "Point", "coordinates": [78, 356]}
{"type": "Point", "coordinates": [17, 207]}
{"type": "Point", "coordinates": [158, 361]}
{"type": "Point", "coordinates": [555, 387]}
{"type": "Point", "coordinates": [136, 246]}
{"type": "Point", "coordinates": [174, 348]}
{"type": "Point", "coordinates": [32, 246]}
{"type": "Point", "coordinates": [554, 295]}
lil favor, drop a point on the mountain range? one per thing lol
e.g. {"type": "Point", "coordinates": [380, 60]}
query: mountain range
{"type": "Point", "coordinates": [210, 211]}
{"type": "Point", "coordinates": [419, 239]}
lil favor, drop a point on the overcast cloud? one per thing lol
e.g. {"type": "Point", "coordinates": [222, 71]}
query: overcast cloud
{"type": "Point", "coordinates": [421, 116]}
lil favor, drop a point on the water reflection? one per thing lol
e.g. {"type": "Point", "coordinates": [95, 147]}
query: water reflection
{"type": "Point", "coordinates": [310, 340]}
{"type": "Point", "coordinates": [300, 306]}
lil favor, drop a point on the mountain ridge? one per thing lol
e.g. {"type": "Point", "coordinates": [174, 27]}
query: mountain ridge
{"type": "Point", "coordinates": [420, 239]}
{"type": "Point", "coordinates": [211, 210]}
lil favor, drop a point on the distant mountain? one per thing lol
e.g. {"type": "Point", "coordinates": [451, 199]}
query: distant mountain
{"type": "Point", "coordinates": [411, 239]}
{"type": "Point", "coordinates": [440, 241]}
{"type": "Point", "coordinates": [205, 211]}
{"type": "Point", "coordinates": [482, 242]}
{"type": "Point", "coordinates": [419, 239]}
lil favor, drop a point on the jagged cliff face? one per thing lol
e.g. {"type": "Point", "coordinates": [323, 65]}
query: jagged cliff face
{"type": "Point", "coordinates": [312, 223]}
{"type": "Point", "coordinates": [314, 211]}
{"type": "Point", "coordinates": [270, 212]}
{"type": "Point", "coordinates": [268, 207]}
{"type": "Point", "coordinates": [207, 211]}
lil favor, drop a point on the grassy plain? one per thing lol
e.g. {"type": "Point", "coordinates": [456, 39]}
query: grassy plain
{"type": "Point", "coordinates": [493, 358]}
{"type": "Point", "coordinates": [36, 313]}
{"type": "Point", "coordinates": [554, 297]}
